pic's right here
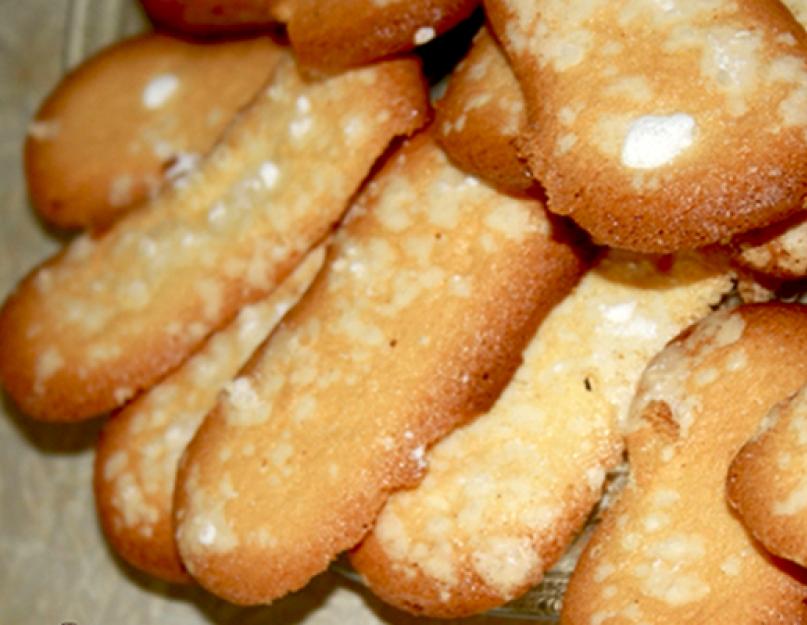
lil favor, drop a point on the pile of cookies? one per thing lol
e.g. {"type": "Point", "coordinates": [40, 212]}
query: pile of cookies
{"type": "Point", "coordinates": [326, 312]}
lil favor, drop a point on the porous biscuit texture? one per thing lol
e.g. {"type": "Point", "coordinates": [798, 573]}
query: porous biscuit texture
{"type": "Point", "coordinates": [415, 325]}
{"type": "Point", "coordinates": [135, 114]}
{"type": "Point", "coordinates": [670, 549]}
{"type": "Point", "coordinates": [662, 126]}
{"type": "Point", "coordinates": [139, 448]}
{"type": "Point", "coordinates": [766, 481]}
{"type": "Point", "coordinates": [779, 251]}
{"type": "Point", "coordinates": [112, 314]}
{"type": "Point", "coordinates": [481, 116]}
{"type": "Point", "coordinates": [504, 495]}
{"type": "Point", "coordinates": [331, 35]}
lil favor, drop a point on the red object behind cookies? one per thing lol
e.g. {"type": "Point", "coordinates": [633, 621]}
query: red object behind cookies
{"type": "Point", "coordinates": [205, 17]}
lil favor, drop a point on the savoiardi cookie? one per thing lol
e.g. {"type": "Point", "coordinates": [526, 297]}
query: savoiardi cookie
{"type": "Point", "coordinates": [503, 496]}
{"type": "Point", "coordinates": [135, 114]}
{"type": "Point", "coordinates": [112, 314]}
{"type": "Point", "coordinates": [670, 549]}
{"type": "Point", "coordinates": [414, 326]}
{"type": "Point", "coordinates": [481, 116]}
{"type": "Point", "coordinates": [139, 447]}
{"type": "Point", "coordinates": [331, 35]}
{"type": "Point", "coordinates": [662, 126]}
{"type": "Point", "coordinates": [779, 251]}
{"type": "Point", "coordinates": [766, 480]}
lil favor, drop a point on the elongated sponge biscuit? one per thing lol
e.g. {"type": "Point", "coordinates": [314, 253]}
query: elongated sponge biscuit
{"type": "Point", "coordinates": [660, 126]}
{"type": "Point", "coordinates": [779, 251]}
{"type": "Point", "coordinates": [111, 315]}
{"type": "Point", "coordinates": [332, 35]}
{"type": "Point", "coordinates": [767, 481]}
{"type": "Point", "coordinates": [480, 117]}
{"type": "Point", "coordinates": [670, 549]}
{"type": "Point", "coordinates": [139, 448]}
{"type": "Point", "coordinates": [504, 495]}
{"type": "Point", "coordinates": [136, 113]}
{"type": "Point", "coordinates": [414, 327]}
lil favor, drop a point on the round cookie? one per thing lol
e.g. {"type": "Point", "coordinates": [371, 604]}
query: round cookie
{"type": "Point", "coordinates": [662, 126]}
{"type": "Point", "coordinates": [135, 114]}
{"type": "Point", "coordinates": [670, 549]}
{"type": "Point", "coordinates": [481, 115]}
{"type": "Point", "coordinates": [766, 482]}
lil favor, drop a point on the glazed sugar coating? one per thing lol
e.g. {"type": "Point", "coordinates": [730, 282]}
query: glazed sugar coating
{"type": "Point", "coordinates": [139, 449]}
{"type": "Point", "coordinates": [111, 315]}
{"type": "Point", "coordinates": [767, 484]}
{"type": "Point", "coordinates": [779, 251]}
{"type": "Point", "coordinates": [660, 126]}
{"type": "Point", "coordinates": [138, 112]}
{"type": "Point", "coordinates": [504, 495]}
{"type": "Point", "coordinates": [481, 115]}
{"type": "Point", "coordinates": [332, 35]}
{"type": "Point", "coordinates": [414, 327]}
{"type": "Point", "coordinates": [210, 17]}
{"type": "Point", "coordinates": [670, 550]}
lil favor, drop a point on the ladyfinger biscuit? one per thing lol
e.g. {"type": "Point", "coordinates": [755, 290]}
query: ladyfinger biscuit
{"type": "Point", "coordinates": [798, 8]}
{"type": "Point", "coordinates": [139, 448]}
{"type": "Point", "coordinates": [211, 17]}
{"type": "Point", "coordinates": [779, 251]}
{"type": "Point", "coordinates": [135, 114]}
{"type": "Point", "coordinates": [113, 314]}
{"type": "Point", "coordinates": [414, 326]}
{"type": "Point", "coordinates": [504, 495]}
{"type": "Point", "coordinates": [332, 35]}
{"type": "Point", "coordinates": [670, 550]}
{"type": "Point", "coordinates": [767, 482]}
{"type": "Point", "coordinates": [660, 126]}
{"type": "Point", "coordinates": [481, 116]}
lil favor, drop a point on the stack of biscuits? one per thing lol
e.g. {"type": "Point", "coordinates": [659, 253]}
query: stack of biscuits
{"type": "Point", "coordinates": [330, 302]}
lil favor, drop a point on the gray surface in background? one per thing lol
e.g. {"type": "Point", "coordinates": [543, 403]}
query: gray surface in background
{"type": "Point", "coordinates": [54, 565]}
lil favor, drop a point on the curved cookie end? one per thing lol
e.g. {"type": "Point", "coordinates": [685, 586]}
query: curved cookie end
{"type": "Point", "coordinates": [766, 484]}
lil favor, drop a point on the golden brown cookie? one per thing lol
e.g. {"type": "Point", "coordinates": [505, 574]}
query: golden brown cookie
{"type": "Point", "coordinates": [112, 314]}
{"type": "Point", "coordinates": [138, 112]}
{"type": "Point", "coordinates": [140, 446]}
{"type": "Point", "coordinates": [779, 251]}
{"type": "Point", "coordinates": [767, 482]}
{"type": "Point", "coordinates": [414, 326]}
{"type": "Point", "coordinates": [211, 17]}
{"type": "Point", "coordinates": [660, 126]}
{"type": "Point", "coordinates": [798, 8]}
{"type": "Point", "coordinates": [332, 35]}
{"type": "Point", "coordinates": [504, 495]}
{"type": "Point", "coordinates": [670, 550]}
{"type": "Point", "coordinates": [481, 115]}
